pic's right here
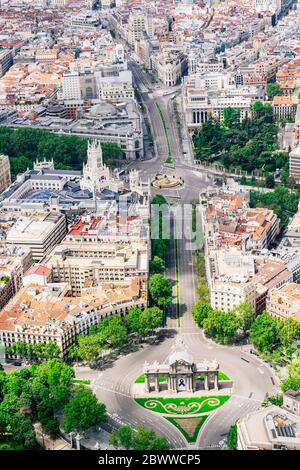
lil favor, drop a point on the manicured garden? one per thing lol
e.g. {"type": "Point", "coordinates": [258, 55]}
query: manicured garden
{"type": "Point", "coordinates": [183, 406]}
{"type": "Point", "coordinates": [189, 427]}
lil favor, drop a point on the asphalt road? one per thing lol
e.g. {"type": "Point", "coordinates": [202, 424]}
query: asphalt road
{"type": "Point", "coordinates": [252, 379]}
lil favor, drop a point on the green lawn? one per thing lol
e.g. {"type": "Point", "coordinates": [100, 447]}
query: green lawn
{"type": "Point", "coordinates": [183, 406]}
{"type": "Point", "coordinates": [168, 160]}
{"type": "Point", "coordinates": [78, 381]}
{"type": "Point", "coordinates": [188, 427]}
{"type": "Point", "coordinates": [141, 379]}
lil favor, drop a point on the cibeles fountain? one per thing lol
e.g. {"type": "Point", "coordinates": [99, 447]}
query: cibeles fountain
{"type": "Point", "coordinates": [167, 181]}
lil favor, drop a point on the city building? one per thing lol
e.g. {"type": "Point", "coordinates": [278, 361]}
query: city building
{"type": "Point", "coordinates": [285, 107]}
{"type": "Point", "coordinates": [5, 176]}
{"type": "Point", "coordinates": [43, 313]}
{"type": "Point", "coordinates": [120, 123]}
{"type": "Point", "coordinates": [14, 262]}
{"type": "Point", "coordinates": [291, 401]}
{"type": "Point", "coordinates": [270, 428]}
{"type": "Point", "coordinates": [284, 302]}
{"type": "Point", "coordinates": [6, 61]}
{"type": "Point", "coordinates": [294, 158]}
{"type": "Point", "coordinates": [235, 277]}
{"type": "Point", "coordinates": [39, 232]}
{"type": "Point", "coordinates": [95, 263]}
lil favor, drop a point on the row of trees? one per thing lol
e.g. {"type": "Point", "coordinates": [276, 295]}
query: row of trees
{"type": "Point", "coordinates": [24, 146]}
{"type": "Point", "coordinates": [115, 332]}
{"type": "Point", "coordinates": [202, 288]}
{"type": "Point", "coordinates": [224, 327]}
{"type": "Point", "coordinates": [40, 394]}
{"type": "Point", "coordinates": [275, 340]}
{"type": "Point", "coordinates": [283, 202]}
{"type": "Point", "coordinates": [159, 245]}
{"type": "Point", "coordinates": [248, 145]}
{"type": "Point", "coordinates": [33, 352]}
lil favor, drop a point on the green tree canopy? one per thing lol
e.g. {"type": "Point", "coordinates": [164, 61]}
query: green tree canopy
{"type": "Point", "coordinates": [83, 410]}
{"type": "Point", "coordinates": [221, 326]}
{"type": "Point", "coordinates": [263, 333]}
{"type": "Point", "coordinates": [160, 290]}
{"type": "Point", "coordinates": [232, 438]}
{"type": "Point", "coordinates": [142, 439]}
{"type": "Point", "coordinates": [274, 89]}
{"type": "Point", "coordinates": [245, 315]}
{"type": "Point", "coordinates": [200, 312]}
{"type": "Point", "coordinates": [112, 332]}
{"type": "Point", "coordinates": [26, 145]}
{"type": "Point", "coordinates": [157, 265]}
{"type": "Point", "coordinates": [294, 368]}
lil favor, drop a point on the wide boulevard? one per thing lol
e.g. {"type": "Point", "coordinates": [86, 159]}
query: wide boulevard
{"type": "Point", "coordinates": [252, 379]}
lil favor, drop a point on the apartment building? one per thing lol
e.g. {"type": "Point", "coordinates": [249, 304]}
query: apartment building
{"type": "Point", "coordinates": [294, 159]}
{"type": "Point", "coordinates": [138, 25]}
{"type": "Point", "coordinates": [284, 302]}
{"type": "Point", "coordinates": [228, 221]}
{"type": "Point", "coordinates": [6, 61]}
{"type": "Point", "coordinates": [285, 107]}
{"type": "Point", "coordinates": [170, 67]}
{"type": "Point", "coordinates": [43, 313]}
{"type": "Point", "coordinates": [39, 232]}
{"type": "Point", "coordinates": [235, 277]}
{"type": "Point", "coordinates": [271, 428]}
{"type": "Point", "coordinates": [81, 263]}
{"type": "Point", "coordinates": [13, 264]}
{"type": "Point", "coordinates": [291, 401]}
{"type": "Point", "coordinates": [5, 176]}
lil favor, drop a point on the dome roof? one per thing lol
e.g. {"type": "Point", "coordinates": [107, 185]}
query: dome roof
{"type": "Point", "coordinates": [181, 356]}
{"type": "Point", "coordinates": [102, 109]}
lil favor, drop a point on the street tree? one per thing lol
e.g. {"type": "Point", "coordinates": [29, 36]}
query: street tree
{"type": "Point", "coordinates": [232, 438]}
{"type": "Point", "coordinates": [290, 384]}
{"type": "Point", "coordinates": [153, 316]}
{"type": "Point", "coordinates": [88, 347]}
{"type": "Point", "coordinates": [263, 333]}
{"type": "Point", "coordinates": [274, 89]}
{"type": "Point", "coordinates": [122, 438]}
{"type": "Point", "coordinates": [245, 315]}
{"type": "Point", "coordinates": [288, 332]}
{"type": "Point", "coordinates": [57, 377]}
{"type": "Point", "coordinates": [294, 368]}
{"type": "Point", "coordinates": [200, 312]}
{"type": "Point", "coordinates": [82, 411]}
{"type": "Point", "coordinates": [112, 332]}
{"type": "Point", "coordinates": [160, 290]}
{"type": "Point", "coordinates": [141, 439]}
{"type": "Point", "coordinates": [221, 326]}
{"type": "Point", "coordinates": [157, 265]}
{"type": "Point", "coordinates": [146, 439]}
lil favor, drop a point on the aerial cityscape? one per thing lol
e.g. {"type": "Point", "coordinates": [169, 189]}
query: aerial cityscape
{"type": "Point", "coordinates": [149, 226]}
